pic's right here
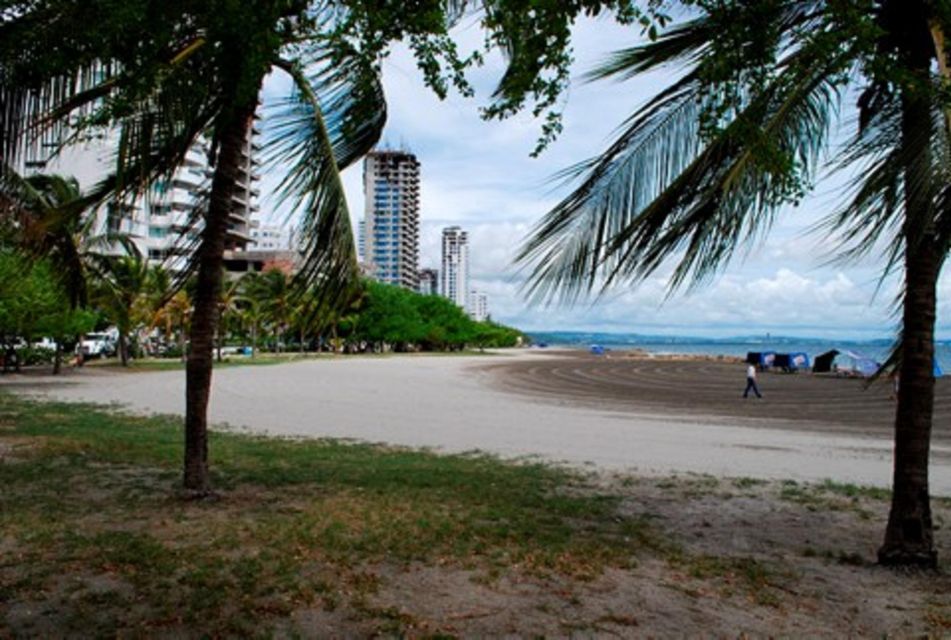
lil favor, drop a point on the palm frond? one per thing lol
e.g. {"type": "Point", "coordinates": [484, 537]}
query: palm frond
{"type": "Point", "coordinates": [317, 134]}
{"type": "Point", "coordinates": [659, 192]}
{"type": "Point", "coordinates": [876, 207]}
{"type": "Point", "coordinates": [683, 44]}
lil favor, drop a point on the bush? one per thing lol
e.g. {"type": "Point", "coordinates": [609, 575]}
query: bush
{"type": "Point", "coordinates": [172, 351]}
{"type": "Point", "coordinates": [30, 356]}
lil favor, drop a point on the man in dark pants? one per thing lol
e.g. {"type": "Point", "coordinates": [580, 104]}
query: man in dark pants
{"type": "Point", "coordinates": [751, 382]}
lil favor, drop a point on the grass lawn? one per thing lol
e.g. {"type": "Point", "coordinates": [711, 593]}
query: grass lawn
{"type": "Point", "coordinates": [318, 538]}
{"type": "Point", "coordinates": [90, 515]}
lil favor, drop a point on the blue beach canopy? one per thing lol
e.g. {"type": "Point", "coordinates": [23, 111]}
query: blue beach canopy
{"type": "Point", "coordinates": [799, 360]}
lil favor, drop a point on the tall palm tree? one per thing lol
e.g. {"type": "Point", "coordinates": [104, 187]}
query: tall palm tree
{"type": "Point", "coordinates": [166, 72]}
{"type": "Point", "coordinates": [702, 168]}
{"type": "Point", "coordinates": [120, 290]}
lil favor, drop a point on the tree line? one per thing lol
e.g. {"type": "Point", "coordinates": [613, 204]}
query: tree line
{"type": "Point", "coordinates": [257, 310]}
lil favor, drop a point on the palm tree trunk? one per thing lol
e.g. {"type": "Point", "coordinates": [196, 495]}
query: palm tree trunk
{"type": "Point", "coordinates": [123, 349]}
{"type": "Point", "coordinates": [218, 341]}
{"type": "Point", "coordinates": [909, 538]}
{"type": "Point", "coordinates": [302, 341]}
{"type": "Point", "coordinates": [57, 358]}
{"type": "Point", "coordinates": [205, 312]}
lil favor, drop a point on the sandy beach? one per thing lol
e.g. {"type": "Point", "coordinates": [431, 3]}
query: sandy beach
{"type": "Point", "coordinates": [644, 416]}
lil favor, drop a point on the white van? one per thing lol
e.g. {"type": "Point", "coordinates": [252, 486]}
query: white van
{"type": "Point", "coordinates": [97, 345]}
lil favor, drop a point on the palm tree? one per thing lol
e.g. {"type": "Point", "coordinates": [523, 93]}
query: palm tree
{"type": "Point", "coordinates": [169, 307]}
{"type": "Point", "coordinates": [251, 308]}
{"type": "Point", "coordinates": [123, 285]}
{"type": "Point", "coordinates": [704, 165]}
{"type": "Point", "coordinates": [275, 295]}
{"type": "Point", "coordinates": [228, 307]}
{"type": "Point", "coordinates": [53, 222]}
{"type": "Point", "coordinates": [175, 70]}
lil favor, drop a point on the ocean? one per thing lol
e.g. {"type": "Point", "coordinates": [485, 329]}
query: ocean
{"type": "Point", "coordinates": [735, 346]}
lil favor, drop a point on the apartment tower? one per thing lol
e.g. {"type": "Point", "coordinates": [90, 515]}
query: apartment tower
{"type": "Point", "coordinates": [455, 266]}
{"type": "Point", "coordinates": [163, 226]}
{"type": "Point", "coordinates": [390, 239]}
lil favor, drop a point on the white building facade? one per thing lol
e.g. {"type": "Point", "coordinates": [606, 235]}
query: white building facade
{"type": "Point", "coordinates": [163, 226]}
{"type": "Point", "coordinates": [271, 237]}
{"type": "Point", "coordinates": [390, 229]}
{"type": "Point", "coordinates": [455, 266]}
{"type": "Point", "coordinates": [478, 306]}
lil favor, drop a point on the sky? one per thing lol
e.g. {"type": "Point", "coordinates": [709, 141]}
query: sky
{"type": "Point", "coordinates": [479, 175]}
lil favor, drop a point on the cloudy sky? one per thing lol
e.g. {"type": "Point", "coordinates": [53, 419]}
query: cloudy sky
{"type": "Point", "coordinates": [479, 175]}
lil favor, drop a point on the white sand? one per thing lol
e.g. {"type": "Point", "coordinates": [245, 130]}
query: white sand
{"type": "Point", "coordinates": [444, 403]}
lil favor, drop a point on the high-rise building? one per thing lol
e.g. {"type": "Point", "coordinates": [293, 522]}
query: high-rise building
{"type": "Point", "coordinates": [163, 225]}
{"type": "Point", "coordinates": [478, 306]}
{"type": "Point", "coordinates": [391, 217]}
{"type": "Point", "coordinates": [455, 266]}
{"type": "Point", "coordinates": [429, 282]}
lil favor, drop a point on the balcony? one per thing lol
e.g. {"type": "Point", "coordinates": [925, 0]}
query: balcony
{"type": "Point", "coordinates": [238, 236]}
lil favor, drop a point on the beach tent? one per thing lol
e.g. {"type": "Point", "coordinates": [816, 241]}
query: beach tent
{"type": "Point", "coordinates": [781, 360]}
{"type": "Point", "coordinates": [937, 369]}
{"type": "Point", "coordinates": [862, 364]}
{"type": "Point", "coordinates": [597, 350]}
{"type": "Point", "coordinates": [798, 360]}
{"type": "Point", "coordinates": [791, 361]}
{"type": "Point", "coordinates": [823, 362]}
{"type": "Point", "coordinates": [762, 359]}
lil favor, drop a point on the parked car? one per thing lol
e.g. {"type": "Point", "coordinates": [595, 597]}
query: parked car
{"type": "Point", "coordinates": [97, 345]}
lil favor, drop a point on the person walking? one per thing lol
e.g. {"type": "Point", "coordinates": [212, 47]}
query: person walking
{"type": "Point", "coordinates": [751, 382]}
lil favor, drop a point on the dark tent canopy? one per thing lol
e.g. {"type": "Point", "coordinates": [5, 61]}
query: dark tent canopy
{"type": "Point", "coordinates": [790, 362]}
{"type": "Point", "coordinates": [823, 362]}
{"type": "Point", "coordinates": [764, 359]}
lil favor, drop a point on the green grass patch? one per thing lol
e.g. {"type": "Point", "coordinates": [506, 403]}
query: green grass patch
{"type": "Point", "coordinates": [90, 512]}
{"type": "Point", "coordinates": [834, 496]}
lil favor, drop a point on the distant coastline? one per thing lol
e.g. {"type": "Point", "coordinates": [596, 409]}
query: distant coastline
{"type": "Point", "coordinates": [732, 346]}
